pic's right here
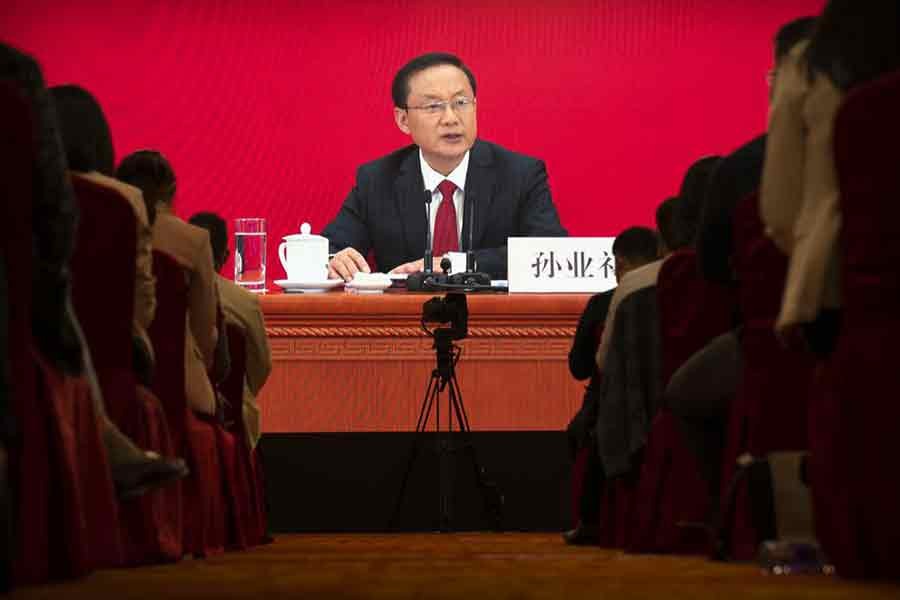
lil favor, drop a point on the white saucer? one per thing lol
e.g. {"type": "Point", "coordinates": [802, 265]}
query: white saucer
{"type": "Point", "coordinates": [308, 287]}
{"type": "Point", "coordinates": [398, 276]}
{"type": "Point", "coordinates": [369, 287]}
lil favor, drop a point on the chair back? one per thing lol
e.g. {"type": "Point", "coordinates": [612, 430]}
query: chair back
{"type": "Point", "coordinates": [103, 272]}
{"type": "Point", "coordinates": [867, 130]}
{"type": "Point", "coordinates": [692, 310]}
{"type": "Point", "coordinates": [167, 332]}
{"type": "Point", "coordinates": [17, 153]}
{"type": "Point", "coordinates": [103, 276]}
{"type": "Point", "coordinates": [760, 267]}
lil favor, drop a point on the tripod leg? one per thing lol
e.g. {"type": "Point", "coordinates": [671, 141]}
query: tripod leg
{"type": "Point", "coordinates": [490, 493]}
{"type": "Point", "coordinates": [427, 402]}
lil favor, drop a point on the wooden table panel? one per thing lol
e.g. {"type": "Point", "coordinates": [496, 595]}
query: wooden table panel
{"type": "Point", "coordinates": [355, 362]}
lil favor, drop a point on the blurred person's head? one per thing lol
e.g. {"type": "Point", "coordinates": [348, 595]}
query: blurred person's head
{"type": "Point", "coordinates": [691, 198]}
{"type": "Point", "coordinates": [434, 103]}
{"type": "Point", "coordinates": [789, 35]}
{"type": "Point", "coordinates": [218, 235]}
{"type": "Point", "coordinates": [633, 248]}
{"type": "Point", "coordinates": [149, 171]}
{"type": "Point", "coordinates": [665, 224]}
{"type": "Point", "coordinates": [855, 42]}
{"type": "Point", "coordinates": [84, 130]}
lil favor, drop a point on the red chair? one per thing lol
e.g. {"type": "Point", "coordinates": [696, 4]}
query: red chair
{"type": "Point", "coordinates": [247, 501]}
{"type": "Point", "coordinates": [66, 513]}
{"type": "Point", "coordinates": [855, 413]}
{"type": "Point", "coordinates": [151, 524]}
{"type": "Point", "coordinates": [193, 437]}
{"type": "Point", "coordinates": [769, 410]}
{"type": "Point", "coordinates": [671, 493]}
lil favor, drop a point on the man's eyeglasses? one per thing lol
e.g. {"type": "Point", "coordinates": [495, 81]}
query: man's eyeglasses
{"type": "Point", "coordinates": [460, 106]}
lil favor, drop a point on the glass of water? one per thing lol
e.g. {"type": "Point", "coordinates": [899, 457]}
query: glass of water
{"type": "Point", "coordinates": [250, 254]}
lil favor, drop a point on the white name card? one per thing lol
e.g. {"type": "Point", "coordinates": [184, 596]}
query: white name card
{"type": "Point", "coordinates": [560, 264]}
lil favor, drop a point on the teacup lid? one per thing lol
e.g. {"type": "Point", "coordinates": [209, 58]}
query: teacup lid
{"type": "Point", "coordinates": [303, 236]}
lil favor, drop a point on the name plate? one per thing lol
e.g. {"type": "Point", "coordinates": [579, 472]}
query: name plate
{"type": "Point", "coordinates": [560, 264]}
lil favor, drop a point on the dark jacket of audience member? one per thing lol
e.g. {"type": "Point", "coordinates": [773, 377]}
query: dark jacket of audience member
{"type": "Point", "coordinates": [736, 178]}
{"type": "Point", "coordinates": [631, 388]}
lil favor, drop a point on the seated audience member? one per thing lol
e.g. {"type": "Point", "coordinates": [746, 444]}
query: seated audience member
{"type": "Point", "coordinates": [242, 309]}
{"type": "Point", "coordinates": [836, 248]}
{"type": "Point", "coordinates": [799, 197]}
{"type": "Point", "coordinates": [481, 193]}
{"type": "Point", "coordinates": [628, 395]}
{"type": "Point", "coordinates": [702, 389]}
{"type": "Point", "coordinates": [685, 214]}
{"type": "Point", "coordinates": [633, 248]}
{"type": "Point", "coordinates": [89, 150]}
{"type": "Point", "coordinates": [54, 323]}
{"type": "Point", "coordinates": [189, 245]}
{"type": "Point", "coordinates": [739, 175]}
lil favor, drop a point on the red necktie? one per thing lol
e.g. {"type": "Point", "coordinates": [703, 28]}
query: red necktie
{"type": "Point", "coordinates": [446, 236]}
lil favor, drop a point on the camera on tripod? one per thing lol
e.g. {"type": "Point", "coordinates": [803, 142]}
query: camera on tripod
{"type": "Point", "coordinates": [451, 309]}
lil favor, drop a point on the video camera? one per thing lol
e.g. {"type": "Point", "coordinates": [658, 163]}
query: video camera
{"type": "Point", "coordinates": [451, 309]}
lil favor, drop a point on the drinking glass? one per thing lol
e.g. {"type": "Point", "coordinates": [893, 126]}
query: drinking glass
{"type": "Point", "coordinates": [250, 254]}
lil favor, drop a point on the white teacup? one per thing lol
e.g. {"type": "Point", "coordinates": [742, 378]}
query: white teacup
{"type": "Point", "coordinates": [304, 256]}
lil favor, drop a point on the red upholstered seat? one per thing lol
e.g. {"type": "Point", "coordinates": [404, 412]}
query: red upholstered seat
{"type": "Point", "coordinates": [253, 523]}
{"type": "Point", "coordinates": [67, 519]}
{"type": "Point", "coordinates": [769, 410]}
{"type": "Point", "coordinates": [105, 253]}
{"type": "Point", "coordinates": [671, 492]}
{"type": "Point", "coordinates": [855, 412]}
{"type": "Point", "coordinates": [192, 438]}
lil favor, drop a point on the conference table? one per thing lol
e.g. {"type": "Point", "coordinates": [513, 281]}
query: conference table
{"type": "Point", "coordinates": [351, 362]}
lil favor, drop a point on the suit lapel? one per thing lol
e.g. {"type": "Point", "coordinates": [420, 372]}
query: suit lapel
{"type": "Point", "coordinates": [480, 183]}
{"type": "Point", "coordinates": [410, 200]}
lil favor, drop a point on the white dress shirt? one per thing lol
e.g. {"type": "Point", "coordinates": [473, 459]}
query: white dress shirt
{"type": "Point", "coordinates": [433, 179]}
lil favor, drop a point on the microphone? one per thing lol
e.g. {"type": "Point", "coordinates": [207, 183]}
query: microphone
{"type": "Point", "coordinates": [428, 241]}
{"type": "Point", "coordinates": [417, 282]}
{"type": "Point", "coordinates": [470, 251]}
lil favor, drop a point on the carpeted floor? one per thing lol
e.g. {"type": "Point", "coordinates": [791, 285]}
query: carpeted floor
{"type": "Point", "coordinates": [449, 566]}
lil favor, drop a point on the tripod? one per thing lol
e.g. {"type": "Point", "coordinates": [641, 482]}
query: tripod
{"type": "Point", "coordinates": [443, 377]}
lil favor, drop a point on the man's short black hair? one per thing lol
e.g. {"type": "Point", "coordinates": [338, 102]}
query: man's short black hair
{"type": "Point", "coordinates": [84, 130]}
{"type": "Point", "coordinates": [149, 171]}
{"type": "Point", "coordinates": [218, 234]}
{"type": "Point", "coordinates": [691, 199]}
{"type": "Point", "coordinates": [400, 86]}
{"type": "Point", "coordinates": [665, 221]}
{"type": "Point", "coordinates": [636, 244]}
{"type": "Point", "coordinates": [792, 33]}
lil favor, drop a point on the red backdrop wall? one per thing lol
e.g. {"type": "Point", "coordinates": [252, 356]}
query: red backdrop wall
{"type": "Point", "coordinates": [266, 107]}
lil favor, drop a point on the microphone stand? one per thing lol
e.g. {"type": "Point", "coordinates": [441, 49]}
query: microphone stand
{"type": "Point", "coordinates": [419, 282]}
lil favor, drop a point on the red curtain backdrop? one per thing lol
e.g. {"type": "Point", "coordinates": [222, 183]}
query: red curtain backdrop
{"type": "Point", "coordinates": [266, 107]}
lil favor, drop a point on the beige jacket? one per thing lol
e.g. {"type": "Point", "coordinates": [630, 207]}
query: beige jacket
{"type": "Point", "coordinates": [189, 245]}
{"type": "Point", "coordinates": [242, 309]}
{"type": "Point", "coordinates": [799, 195]}
{"type": "Point", "coordinates": [144, 282]}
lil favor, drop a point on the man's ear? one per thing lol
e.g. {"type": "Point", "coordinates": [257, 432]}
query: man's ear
{"type": "Point", "coordinates": [401, 118]}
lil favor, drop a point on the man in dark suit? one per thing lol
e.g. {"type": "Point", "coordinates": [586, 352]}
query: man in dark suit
{"type": "Point", "coordinates": [480, 193]}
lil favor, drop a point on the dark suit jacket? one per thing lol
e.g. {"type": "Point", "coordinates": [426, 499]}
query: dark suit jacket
{"type": "Point", "coordinates": [736, 177]}
{"type": "Point", "coordinates": [385, 210]}
{"type": "Point", "coordinates": [631, 387]}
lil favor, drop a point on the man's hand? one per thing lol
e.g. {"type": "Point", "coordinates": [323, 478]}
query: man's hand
{"type": "Point", "coordinates": [417, 266]}
{"type": "Point", "coordinates": [346, 264]}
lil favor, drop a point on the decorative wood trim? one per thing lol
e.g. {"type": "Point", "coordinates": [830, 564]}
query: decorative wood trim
{"type": "Point", "coordinates": [415, 332]}
{"type": "Point", "coordinates": [327, 349]}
